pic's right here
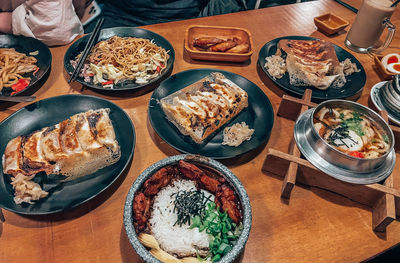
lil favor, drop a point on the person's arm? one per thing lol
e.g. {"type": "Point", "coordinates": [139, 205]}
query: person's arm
{"type": "Point", "coordinates": [5, 22]}
{"type": "Point", "coordinates": [80, 6]}
{"type": "Point", "coordinates": [52, 21]}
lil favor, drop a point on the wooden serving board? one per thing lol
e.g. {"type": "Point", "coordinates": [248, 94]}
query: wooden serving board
{"type": "Point", "coordinates": [383, 199]}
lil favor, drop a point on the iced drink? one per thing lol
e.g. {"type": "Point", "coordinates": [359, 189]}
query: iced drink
{"type": "Point", "coordinates": [368, 26]}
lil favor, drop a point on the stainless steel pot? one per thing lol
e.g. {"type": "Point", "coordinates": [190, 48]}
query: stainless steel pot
{"type": "Point", "coordinates": [336, 163]}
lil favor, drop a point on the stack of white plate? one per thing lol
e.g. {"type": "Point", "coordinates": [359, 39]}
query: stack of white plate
{"type": "Point", "coordinates": [389, 94]}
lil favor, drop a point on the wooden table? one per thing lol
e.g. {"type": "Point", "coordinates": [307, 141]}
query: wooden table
{"type": "Point", "coordinates": [315, 226]}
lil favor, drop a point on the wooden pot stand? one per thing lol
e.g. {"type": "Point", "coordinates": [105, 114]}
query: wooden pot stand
{"type": "Point", "coordinates": [384, 199]}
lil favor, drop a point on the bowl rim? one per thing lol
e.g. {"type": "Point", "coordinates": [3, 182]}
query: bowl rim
{"type": "Point", "coordinates": [347, 102]}
{"type": "Point", "coordinates": [228, 174]}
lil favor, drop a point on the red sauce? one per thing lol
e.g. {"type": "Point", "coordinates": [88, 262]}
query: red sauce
{"type": "Point", "coordinates": [396, 67]}
{"type": "Point", "coordinates": [393, 59]}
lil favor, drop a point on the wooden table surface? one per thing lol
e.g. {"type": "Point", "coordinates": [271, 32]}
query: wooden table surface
{"type": "Point", "coordinates": [315, 226]}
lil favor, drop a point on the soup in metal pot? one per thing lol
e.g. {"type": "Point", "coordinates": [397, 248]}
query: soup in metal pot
{"type": "Point", "coordinates": [351, 132]}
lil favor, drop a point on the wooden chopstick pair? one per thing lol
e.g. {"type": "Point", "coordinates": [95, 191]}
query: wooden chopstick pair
{"type": "Point", "coordinates": [92, 40]}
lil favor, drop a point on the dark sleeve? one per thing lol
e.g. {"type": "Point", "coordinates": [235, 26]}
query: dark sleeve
{"type": "Point", "coordinates": [218, 7]}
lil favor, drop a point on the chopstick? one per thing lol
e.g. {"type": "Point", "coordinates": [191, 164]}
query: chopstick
{"type": "Point", "coordinates": [395, 3]}
{"type": "Point", "coordinates": [17, 98]}
{"type": "Point", "coordinates": [92, 40]}
{"type": "Point", "coordinates": [355, 10]}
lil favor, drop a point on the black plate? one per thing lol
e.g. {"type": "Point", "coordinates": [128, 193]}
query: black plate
{"type": "Point", "coordinates": [72, 193]}
{"type": "Point", "coordinates": [79, 45]}
{"type": "Point", "coordinates": [258, 115]}
{"type": "Point", "coordinates": [355, 82]}
{"type": "Point", "coordinates": [26, 45]}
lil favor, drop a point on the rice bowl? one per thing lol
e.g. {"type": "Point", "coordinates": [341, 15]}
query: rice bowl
{"type": "Point", "coordinates": [164, 219]}
{"type": "Point", "coordinates": [173, 238]}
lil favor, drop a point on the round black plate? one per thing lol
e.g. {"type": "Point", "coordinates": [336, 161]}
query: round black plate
{"type": "Point", "coordinates": [26, 45]}
{"type": "Point", "coordinates": [79, 45]}
{"type": "Point", "coordinates": [258, 115]}
{"type": "Point", "coordinates": [69, 194]}
{"type": "Point", "coordinates": [355, 82]}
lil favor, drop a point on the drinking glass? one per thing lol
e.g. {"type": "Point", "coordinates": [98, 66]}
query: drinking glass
{"type": "Point", "coordinates": [372, 18]}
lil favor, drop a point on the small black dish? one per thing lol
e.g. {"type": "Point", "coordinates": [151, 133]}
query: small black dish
{"type": "Point", "coordinates": [355, 82]}
{"type": "Point", "coordinates": [258, 115]}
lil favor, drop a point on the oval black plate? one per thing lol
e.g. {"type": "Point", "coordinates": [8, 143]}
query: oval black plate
{"type": "Point", "coordinates": [79, 45]}
{"type": "Point", "coordinates": [72, 193]}
{"type": "Point", "coordinates": [258, 115]}
{"type": "Point", "coordinates": [26, 45]}
{"type": "Point", "coordinates": [355, 82]}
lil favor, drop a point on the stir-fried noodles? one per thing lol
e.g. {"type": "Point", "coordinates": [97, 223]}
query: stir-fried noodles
{"type": "Point", "coordinates": [13, 65]}
{"type": "Point", "coordinates": [118, 58]}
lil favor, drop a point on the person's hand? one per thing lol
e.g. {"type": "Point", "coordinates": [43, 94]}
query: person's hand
{"type": "Point", "coordinates": [80, 6]}
{"type": "Point", "coordinates": [6, 22]}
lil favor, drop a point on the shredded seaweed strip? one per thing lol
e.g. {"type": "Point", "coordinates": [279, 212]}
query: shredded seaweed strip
{"type": "Point", "coordinates": [189, 204]}
{"type": "Point", "coordinates": [340, 133]}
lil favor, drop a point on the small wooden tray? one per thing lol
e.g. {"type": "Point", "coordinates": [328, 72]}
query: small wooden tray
{"type": "Point", "coordinates": [383, 199]}
{"type": "Point", "coordinates": [383, 73]}
{"type": "Point", "coordinates": [197, 31]}
{"type": "Point", "coordinates": [330, 23]}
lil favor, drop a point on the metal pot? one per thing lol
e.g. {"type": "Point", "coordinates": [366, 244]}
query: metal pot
{"type": "Point", "coordinates": [336, 163]}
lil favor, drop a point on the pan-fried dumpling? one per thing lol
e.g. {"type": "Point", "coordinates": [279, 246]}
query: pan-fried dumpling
{"type": "Point", "coordinates": [78, 146]}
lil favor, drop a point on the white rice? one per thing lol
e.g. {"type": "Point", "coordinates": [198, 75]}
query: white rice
{"type": "Point", "coordinates": [179, 240]}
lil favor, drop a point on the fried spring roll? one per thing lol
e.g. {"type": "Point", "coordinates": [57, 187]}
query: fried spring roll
{"type": "Point", "coordinates": [206, 42]}
{"type": "Point", "coordinates": [224, 46]}
{"type": "Point", "coordinates": [242, 48]}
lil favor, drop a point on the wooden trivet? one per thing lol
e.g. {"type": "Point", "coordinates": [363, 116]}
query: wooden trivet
{"type": "Point", "coordinates": [384, 199]}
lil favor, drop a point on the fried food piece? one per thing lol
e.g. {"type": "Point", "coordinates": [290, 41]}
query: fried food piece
{"type": "Point", "coordinates": [193, 172]}
{"type": "Point", "coordinates": [148, 241]}
{"type": "Point", "coordinates": [224, 46]}
{"type": "Point", "coordinates": [190, 171]}
{"type": "Point", "coordinates": [210, 183]}
{"type": "Point", "coordinates": [226, 199]}
{"type": "Point", "coordinates": [206, 42]}
{"type": "Point", "coordinates": [163, 256]}
{"type": "Point", "coordinates": [312, 63]}
{"type": "Point", "coordinates": [203, 107]}
{"type": "Point", "coordinates": [160, 179]}
{"type": "Point", "coordinates": [241, 48]}
{"type": "Point", "coordinates": [141, 211]}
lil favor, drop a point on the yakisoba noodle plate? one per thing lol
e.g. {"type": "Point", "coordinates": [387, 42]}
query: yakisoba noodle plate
{"type": "Point", "coordinates": [23, 62]}
{"type": "Point", "coordinates": [122, 59]}
{"type": "Point", "coordinates": [13, 65]}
